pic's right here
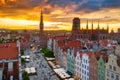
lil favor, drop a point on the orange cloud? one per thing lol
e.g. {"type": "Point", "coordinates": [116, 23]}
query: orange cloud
{"type": "Point", "coordinates": [54, 12]}
{"type": "Point", "coordinates": [2, 2]}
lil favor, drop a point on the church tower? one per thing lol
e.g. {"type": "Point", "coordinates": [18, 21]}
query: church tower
{"type": "Point", "coordinates": [108, 28]}
{"type": "Point", "coordinates": [87, 26]}
{"type": "Point", "coordinates": [92, 25]}
{"type": "Point", "coordinates": [41, 25]}
{"type": "Point", "coordinates": [76, 25]}
{"type": "Point", "coordinates": [42, 35]}
{"type": "Point", "coordinates": [98, 28]}
{"type": "Point", "coordinates": [75, 28]}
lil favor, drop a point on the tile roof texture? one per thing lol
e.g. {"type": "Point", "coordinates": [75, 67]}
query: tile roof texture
{"type": "Point", "coordinates": [9, 53]}
{"type": "Point", "coordinates": [13, 44]}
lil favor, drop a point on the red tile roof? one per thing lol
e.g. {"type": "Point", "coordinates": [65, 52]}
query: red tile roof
{"type": "Point", "coordinates": [73, 43]}
{"type": "Point", "coordinates": [81, 53]}
{"type": "Point", "coordinates": [60, 37]}
{"type": "Point", "coordinates": [104, 56]}
{"type": "Point", "coordinates": [8, 44]}
{"type": "Point", "coordinates": [9, 53]}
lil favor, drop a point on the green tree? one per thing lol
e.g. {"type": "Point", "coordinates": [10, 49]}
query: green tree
{"type": "Point", "coordinates": [47, 52]}
{"type": "Point", "coordinates": [23, 60]}
{"type": "Point", "coordinates": [25, 76]}
{"type": "Point", "coordinates": [22, 52]}
{"type": "Point", "coordinates": [2, 40]}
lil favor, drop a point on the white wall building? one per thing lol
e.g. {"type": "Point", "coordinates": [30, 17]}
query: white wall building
{"type": "Point", "coordinates": [85, 67]}
{"type": "Point", "coordinates": [78, 65]}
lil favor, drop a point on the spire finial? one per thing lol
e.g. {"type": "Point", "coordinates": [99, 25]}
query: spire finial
{"type": "Point", "coordinates": [92, 24]}
{"type": "Point", "coordinates": [107, 27]}
{"type": "Point", "coordinates": [41, 22]}
{"type": "Point", "coordinates": [87, 25]}
{"type": "Point", "coordinates": [98, 25]}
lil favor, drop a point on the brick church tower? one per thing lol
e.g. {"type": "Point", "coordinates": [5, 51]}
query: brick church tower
{"type": "Point", "coordinates": [42, 36]}
{"type": "Point", "coordinates": [75, 28]}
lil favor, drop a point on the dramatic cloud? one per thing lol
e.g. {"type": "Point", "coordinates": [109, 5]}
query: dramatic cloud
{"type": "Point", "coordinates": [61, 10]}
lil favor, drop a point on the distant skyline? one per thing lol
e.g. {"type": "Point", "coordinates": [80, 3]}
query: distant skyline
{"type": "Point", "coordinates": [58, 14]}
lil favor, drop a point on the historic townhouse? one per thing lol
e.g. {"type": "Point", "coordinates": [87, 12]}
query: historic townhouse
{"type": "Point", "coordinates": [85, 65]}
{"type": "Point", "coordinates": [64, 57]}
{"type": "Point", "coordinates": [101, 69]}
{"type": "Point", "coordinates": [94, 65]}
{"type": "Point", "coordinates": [68, 60]}
{"type": "Point", "coordinates": [72, 60]}
{"type": "Point", "coordinates": [101, 66]}
{"type": "Point", "coordinates": [9, 65]}
{"type": "Point", "coordinates": [117, 50]}
{"type": "Point", "coordinates": [112, 68]}
{"type": "Point", "coordinates": [61, 57]}
{"type": "Point", "coordinates": [58, 43]}
{"type": "Point", "coordinates": [78, 63]}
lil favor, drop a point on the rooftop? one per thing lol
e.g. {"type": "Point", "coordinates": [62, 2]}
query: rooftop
{"type": "Point", "coordinates": [9, 53]}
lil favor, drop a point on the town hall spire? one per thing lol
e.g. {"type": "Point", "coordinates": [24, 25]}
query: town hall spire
{"type": "Point", "coordinates": [41, 22]}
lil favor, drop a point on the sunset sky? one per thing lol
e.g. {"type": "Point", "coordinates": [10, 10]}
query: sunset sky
{"type": "Point", "coordinates": [58, 14]}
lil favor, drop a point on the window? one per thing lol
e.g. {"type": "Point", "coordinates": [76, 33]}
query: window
{"type": "Point", "coordinates": [110, 67]}
{"type": "Point", "coordinates": [86, 61]}
{"type": "Point", "coordinates": [87, 73]}
{"type": "Point", "coordinates": [10, 66]}
{"type": "Point", "coordinates": [79, 69]}
{"type": "Point", "coordinates": [100, 63]}
{"type": "Point", "coordinates": [114, 68]}
{"type": "Point", "coordinates": [11, 77]}
{"type": "Point", "coordinates": [82, 71]}
{"type": "Point", "coordinates": [117, 77]}
{"type": "Point", "coordinates": [108, 74]}
{"type": "Point", "coordinates": [94, 68]}
{"type": "Point", "coordinates": [87, 67]}
{"type": "Point", "coordinates": [112, 75]}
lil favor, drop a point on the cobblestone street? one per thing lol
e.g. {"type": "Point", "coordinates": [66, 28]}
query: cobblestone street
{"type": "Point", "coordinates": [44, 72]}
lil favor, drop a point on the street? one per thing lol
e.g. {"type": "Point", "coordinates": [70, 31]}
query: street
{"type": "Point", "coordinates": [37, 60]}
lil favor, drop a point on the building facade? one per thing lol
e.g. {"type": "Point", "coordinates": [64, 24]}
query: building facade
{"type": "Point", "coordinates": [93, 66]}
{"type": "Point", "coordinates": [42, 36]}
{"type": "Point", "coordinates": [90, 34]}
{"type": "Point", "coordinates": [101, 69]}
{"type": "Point", "coordinates": [85, 65]}
{"type": "Point", "coordinates": [9, 63]}
{"type": "Point", "coordinates": [78, 63]}
{"type": "Point", "coordinates": [112, 71]}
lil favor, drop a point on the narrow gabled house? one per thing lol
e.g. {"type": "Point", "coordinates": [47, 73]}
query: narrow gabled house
{"type": "Point", "coordinates": [101, 66]}
{"type": "Point", "coordinates": [85, 65]}
{"type": "Point", "coordinates": [78, 62]}
{"type": "Point", "coordinates": [112, 68]}
{"type": "Point", "coordinates": [94, 66]}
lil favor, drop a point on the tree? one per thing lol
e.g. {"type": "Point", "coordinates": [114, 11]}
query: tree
{"type": "Point", "coordinates": [47, 52]}
{"type": "Point", "coordinates": [25, 76]}
{"type": "Point", "coordinates": [22, 52]}
{"type": "Point", "coordinates": [22, 60]}
{"type": "Point", "coordinates": [2, 40]}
